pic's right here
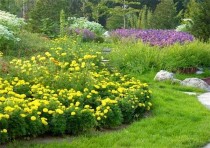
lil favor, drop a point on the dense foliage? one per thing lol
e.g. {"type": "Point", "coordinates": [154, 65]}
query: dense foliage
{"type": "Point", "coordinates": [10, 25]}
{"type": "Point", "coordinates": [67, 91]}
{"type": "Point", "coordinates": [200, 15]}
{"type": "Point", "coordinates": [164, 16]}
{"type": "Point", "coordinates": [83, 23]}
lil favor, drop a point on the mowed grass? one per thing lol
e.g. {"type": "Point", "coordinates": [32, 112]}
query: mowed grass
{"type": "Point", "coordinates": [177, 120]}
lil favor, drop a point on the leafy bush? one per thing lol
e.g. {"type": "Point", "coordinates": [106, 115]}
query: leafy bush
{"type": "Point", "coordinates": [139, 57]}
{"type": "Point", "coordinates": [185, 26]}
{"type": "Point", "coordinates": [154, 37]}
{"type": "Point", "coordinates": [136, 57]}
{"type": "Point", "coordinates": [10, 25]}
{"type": "Point", "coordinates": [114, 22]}
{"type": "Point", "coordinates": [11, 21]}
{"type": "Point", "coordinates": [7, 37]}
{"type": "Point", "coordinates": [83, 23]}
{"type": "Point", "coordinates": [195, 54]}
{"type": "Point", "coordinates": [66, 91]}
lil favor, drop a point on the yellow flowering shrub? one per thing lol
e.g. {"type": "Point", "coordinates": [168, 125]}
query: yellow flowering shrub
{"type": "Point", "coordinates": [67, 90]}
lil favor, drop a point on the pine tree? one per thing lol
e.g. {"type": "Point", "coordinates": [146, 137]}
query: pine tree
{"type": "Point", "coordinates": [199, 12]}
{"type": "Point", "coordinates": [164, 16]}
{"type": "Point", "coordinates": [45, 16]}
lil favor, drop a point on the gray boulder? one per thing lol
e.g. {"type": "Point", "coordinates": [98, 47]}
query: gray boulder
{"type": "Point", "coordinates": [195, 82]}
{"type": "Point", "coordinates": [164, 75]}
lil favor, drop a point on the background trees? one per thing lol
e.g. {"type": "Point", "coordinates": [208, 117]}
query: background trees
{"type": "Point", "coordinates": [165, 15]}
{"type": "Point", "coordinates": [43, 15]}
{"type": "Point", "coordinates": [199, 12]}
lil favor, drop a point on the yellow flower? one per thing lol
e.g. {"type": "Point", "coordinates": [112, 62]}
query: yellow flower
{"type": "Point", "coordinates": [4, 130]}
{"type": "Point", "coordinates": [45, 110]}
{"type": "Point", "coordinates": [83, 64]}
{"type": "Point", "coordinates": [44, 121]}
{"type": "Point", "coordinates": [39, 113]}
{"type": "Point", "coordinates": [96, 86]}
{"type": "Point", "coordinates": [23, 115]}
{"type": "Point", "coordinates": [32, 58]}
{"type": "Point", "coordinates": [77, 68]}
{"type": "Point", "coordinates": [47, 54]}
{"type": "Point", "coordinates": [98, 118]}
{"type": "Point", "coordinates": [73, 113]}
{"type": "Point", "coordinates": [98, 108]}
{"type": "Point", "coordinates": [87, 106]}
{"type": "Point", "coordinates": [59, 111]}
{"type": "Point", "coordinates": [85, 89]}
{"type": "Point", "coordinates": [50, 112]}
{"type": "Point", "coordinates": [33, 118]}
{"type": "Point", "coordinates": [106, 111]}
{"type": "Point", "coordinates": [6, 116]}
{"type": "Point", "coordinates": [88, 96]}
{"type": "Point", "coordinates": [77, 103]}
{"type": "Point", "coordinates": [63, 54]}
{"type": "Point", "coordinates": [149, 103]}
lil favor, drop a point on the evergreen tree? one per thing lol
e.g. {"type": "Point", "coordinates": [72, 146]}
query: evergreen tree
{"type": "Point", "coordinates": [144, 17]}
{"type": "Point", "coordinates": [165, 15]}
{"type": "Point", "coordinates": [45, 16]}
{"type": "Point", "coordinates": [122, 9]}
{"type": "Point", "coordinates": [199, 12]}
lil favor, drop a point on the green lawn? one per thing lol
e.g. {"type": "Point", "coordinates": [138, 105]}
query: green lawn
{"type": "Point", "coordinates": [177, 120]}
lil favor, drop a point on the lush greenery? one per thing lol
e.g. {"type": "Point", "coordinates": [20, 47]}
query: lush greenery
{"type": "Point", "coordinates": [44, 16]}
{"type": "Point", "coordinates": [73, 85]}
{"type": "Point", "coordinates": [199, 13]}
{"type": "Point", "coordinates": [9, 27]}
{"type": "Point", "coordinates": [177, 120]}
{"type": "Point", "coordinates": [142, 58]}
{"type": "Point", "coordinates": [67, 91]}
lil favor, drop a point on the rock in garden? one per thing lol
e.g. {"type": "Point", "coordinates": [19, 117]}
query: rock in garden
{"type": "Point", "coordinates": [106, 34]}
{"type": "Point", "coordinates": [176, 81]}
{"type": "Point", "coordinates": [195, 82]}
{"type": "Point", "coordinates": [164, 75]}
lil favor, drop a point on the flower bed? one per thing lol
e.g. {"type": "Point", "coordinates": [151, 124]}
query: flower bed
{"type": "Point", "coordinates": [67, 92]}
{"type": "Point", "coordinates": [154, 37]}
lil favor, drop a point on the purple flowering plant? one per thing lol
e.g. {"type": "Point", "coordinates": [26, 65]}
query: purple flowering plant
{"type": "Point", "coordinates": [154, 37]}
{"type": "Point", "coordinates": [85, 34]}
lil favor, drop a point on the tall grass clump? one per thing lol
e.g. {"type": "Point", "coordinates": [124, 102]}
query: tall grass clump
{"type": "Point", "coordinates": [135, 57]}
{"type": "Point", "coordinates": [195, 54]}
{"type": "Point", "coordinates": [140, 57]}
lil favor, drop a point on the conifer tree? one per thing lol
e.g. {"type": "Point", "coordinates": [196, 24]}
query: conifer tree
{"type": "Point", "coordinates": [199, 12]}
{"type": "Point", "coordinates": [165, 15]}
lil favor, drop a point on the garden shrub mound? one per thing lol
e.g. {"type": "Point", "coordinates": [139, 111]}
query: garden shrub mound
{"type": "Point", "coordinates": [154, 37]}
{"type": "Point", "coordinates": [67, 91]}
{"type": "Point", "coordinates": [10, 25]}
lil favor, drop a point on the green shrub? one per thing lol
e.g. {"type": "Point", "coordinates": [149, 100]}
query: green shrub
{"type": "Point", "coordinates": [195, 54]}
{"type": "Point", "coordinates": [140, 57]}
{"type": "Point", "coordinates": [114, 22]}
{"type": "Point", "coordinates": [10, 25]}
{"type": "Point", "coordinates": [137, 57]}
{"type": "Point", "coordinates": [78, 120]}
{"type": "Point", "coordinates": [127, 110]}
{"type": "Point", "coordinates": [83, 23]}
{"type": "Point", "coordinates": [58, 123]}
{"type": "Point", "coordinates": [66, 91]}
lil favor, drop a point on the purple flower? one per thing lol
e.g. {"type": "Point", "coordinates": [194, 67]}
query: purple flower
{"type": "Point", "coordinates": [154, 37]}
